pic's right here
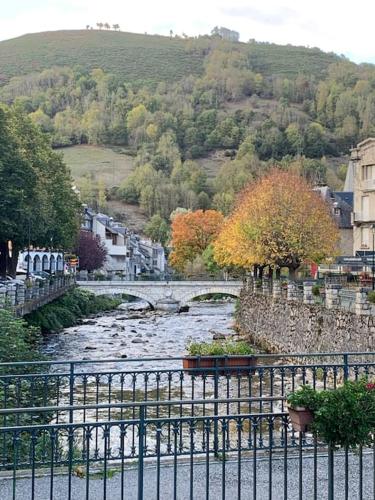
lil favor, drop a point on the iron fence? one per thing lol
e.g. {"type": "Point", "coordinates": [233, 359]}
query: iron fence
{"type": "Point", "coordinates": [108, 429]}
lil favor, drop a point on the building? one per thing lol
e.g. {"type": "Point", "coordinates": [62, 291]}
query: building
{"type": "Point", "coordinates": [40, 260]}
{"type": "Point", "coordinates": [363, 218]}
{"type": "Point", "coordinates": [127, 253]}
{"type": "Point", "coordinates": [341, 206]}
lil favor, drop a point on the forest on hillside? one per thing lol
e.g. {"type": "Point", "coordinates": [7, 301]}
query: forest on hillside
{"type": "Point", "coordinates": [257, 120]}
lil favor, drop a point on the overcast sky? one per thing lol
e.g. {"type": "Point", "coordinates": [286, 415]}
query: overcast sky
{"type": "Point", "coordinates": [341, 26]}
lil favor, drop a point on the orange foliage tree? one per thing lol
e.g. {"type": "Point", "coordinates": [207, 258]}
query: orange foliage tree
{"type": "Point", "coordinates": [192, 232]}
{"type": "Point", "coordinates": [278, 222]}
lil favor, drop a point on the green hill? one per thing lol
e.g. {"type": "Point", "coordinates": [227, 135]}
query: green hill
{"type": "Point", "coordinates": [131, 56]}
{"type": "Point", "coordinates": [140, 58]}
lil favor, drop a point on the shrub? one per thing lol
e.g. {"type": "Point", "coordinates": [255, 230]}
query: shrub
{"type": "Point", "coordinates": [344, 416]}
{"type": "Point", "coordinates": [66, 310]}
{"type": "Point", "coordinates": [316, 290]}
{"type": "Point", "coordinates": [220, 348]}
{"type": "Point", "coordinates": [304, 397]}
{"type": "Point", "coordinates": [371, 297]}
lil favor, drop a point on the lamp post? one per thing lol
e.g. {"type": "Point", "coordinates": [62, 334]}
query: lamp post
{"type": "Point", "coordinates": [50, 255]}
{"type": "Point", "coordinates": [373, 256]}
{"type": "Point", "coordinates": [28, 249]}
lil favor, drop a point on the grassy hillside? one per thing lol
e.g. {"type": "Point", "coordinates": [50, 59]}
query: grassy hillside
{"type": "Point", "coordinates": [133, 57]}
{"type": "Point", "coordinates": [287, 60]}
{"type": "Point", "coordinates": [108, 164]}
{"type": "Point", "coordinates": [145, 58]}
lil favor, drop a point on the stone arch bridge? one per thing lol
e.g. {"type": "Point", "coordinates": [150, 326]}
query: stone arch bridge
{"type": "Point", "coordinates": [167, 295]}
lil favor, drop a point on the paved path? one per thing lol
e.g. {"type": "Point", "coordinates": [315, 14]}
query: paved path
{"type": "Point", "coordinates": [215, 482]}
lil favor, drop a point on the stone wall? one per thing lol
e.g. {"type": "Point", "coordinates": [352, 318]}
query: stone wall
{"type": "Point", "coordinates": [287, 325]}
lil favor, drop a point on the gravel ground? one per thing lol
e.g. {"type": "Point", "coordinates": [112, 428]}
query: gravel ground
{"type": "Point", "coordinates": [96, 492]}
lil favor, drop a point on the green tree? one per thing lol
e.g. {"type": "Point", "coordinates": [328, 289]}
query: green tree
{"type": "Point", "coordinates": [157, 229]}
{"type": "Point", "coordinates": [35, 191]}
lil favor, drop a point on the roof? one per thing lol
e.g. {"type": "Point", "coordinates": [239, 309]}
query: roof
{"type": "Point", "coordinates": [338, 199]}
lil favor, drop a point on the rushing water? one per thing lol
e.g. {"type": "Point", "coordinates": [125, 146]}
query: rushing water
{"type": "Point", "coordinates": [139, 334]}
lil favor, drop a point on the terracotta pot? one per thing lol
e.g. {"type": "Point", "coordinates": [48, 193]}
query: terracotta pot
{"type": "Point", "coordinates": [300, 418]}
{"type": "Point", "coordinates": [206, 365]}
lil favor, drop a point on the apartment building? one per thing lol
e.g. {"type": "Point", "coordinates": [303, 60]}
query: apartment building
{"type": "Point", "coordinates": [363, 218]}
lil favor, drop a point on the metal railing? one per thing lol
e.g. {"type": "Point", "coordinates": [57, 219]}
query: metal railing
{"type": "Point", "coordinates": [160, 431]}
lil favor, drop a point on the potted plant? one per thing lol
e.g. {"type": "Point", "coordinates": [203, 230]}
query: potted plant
{"type": "Point", "coordinates": [301, 406]}
{"type": "Point", "coordinates": [345, 417]}
{"type": "Point", "coordinates": [220, 356]}
{"type": "Point", "coordinates": [341, 417]}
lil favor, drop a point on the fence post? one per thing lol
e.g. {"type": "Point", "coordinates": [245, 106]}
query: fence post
{"type": "Point", "coordinates": [331, 478]}
{"type": "Point", "coordinates": [292, 291]}
{"type": "Point", "coordinates": [332, 295]}
{"type": "Point", "coordinates": [307, 293]}
{"type": "Point", "coordinates": [70, 434]}
{"type": "Point", "coordinates": [141, 436]}
{"type": "Point", "coordinates": [362, 305]}
{"type": "Point", "coordinates": [346, 367]}
{"type": "Point", "coordinates": [276, 289]}
{"type": "Point", "coordinates": [216, 407]}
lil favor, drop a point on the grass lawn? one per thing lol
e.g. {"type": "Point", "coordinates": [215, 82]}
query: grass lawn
{"type": "Point", "coordinates": [110, 164]}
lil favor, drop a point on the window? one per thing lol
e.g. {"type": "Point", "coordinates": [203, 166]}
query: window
{"type": "Point", "coordinates": [365, 207]}
{"type": "Point", "coordinates": [365, 237]}
{"type": "Point", "coordinates": [366, 172]}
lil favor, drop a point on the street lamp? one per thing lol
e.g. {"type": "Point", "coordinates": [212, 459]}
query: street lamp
{"type": "Point", "coordinates": [373, 255]}
{"type": "Point", "coordinates": [50, 255]}
{"type": "Point", "coordinates": [28, 249]}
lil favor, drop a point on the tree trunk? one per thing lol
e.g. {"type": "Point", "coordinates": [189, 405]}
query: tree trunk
{"type": "Point", "coordinates": [3, 258]}
{"type": "Point", "coordinates": [292, 273]}
{"type": "Point", "coordinates": [278, 273]}
{"type": "Point", "coordinates": [270, 273]}
{"type": "Point", "coordinates": [255, 272]}
{"type": "Point", "coordinates": [260, 273]}
{"type": "Point", "coordinates": [12, 263]}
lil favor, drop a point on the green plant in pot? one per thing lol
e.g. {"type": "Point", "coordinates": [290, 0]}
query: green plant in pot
{"type": "Point", "coordinates": [341, 417]}
{"type": "Point", "coordinates": [223, 354]}
{"type": "Point", "coordinates": [345, 416]}
{"type": "Point", "coordinates": [301, 406]}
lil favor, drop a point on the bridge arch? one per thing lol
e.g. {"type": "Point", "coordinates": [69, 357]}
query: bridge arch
{"type": "Point", "coordinates": [116, 291]}
{"type": "Point", "coordinates": [209, 290]}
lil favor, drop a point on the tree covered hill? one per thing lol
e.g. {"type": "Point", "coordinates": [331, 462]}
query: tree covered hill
{"type": "Point", "coordinates": [174, 105]}
{"type": "Point", "coordinates": [145, 58]}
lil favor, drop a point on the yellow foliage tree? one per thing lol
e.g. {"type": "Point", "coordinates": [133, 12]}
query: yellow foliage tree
{"type": "Point", "coordinates": [280, 222]}
{"type": "Point", "coordinates": [192, 232]}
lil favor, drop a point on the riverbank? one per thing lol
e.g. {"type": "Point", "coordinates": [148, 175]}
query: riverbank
{"type": "Point", "coordinates": [69, 309]}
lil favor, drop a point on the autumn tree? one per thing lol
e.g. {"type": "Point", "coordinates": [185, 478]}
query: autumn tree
{"type": "Point", "coordinates": [279, 222]}
{"type": "Point", "coordinates": [91, 252]}
{"type": "Point", "coordinates": [192, 232]}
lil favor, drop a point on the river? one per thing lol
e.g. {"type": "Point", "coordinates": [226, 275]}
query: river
{"type": "Point", "coordinates": [130, 331]}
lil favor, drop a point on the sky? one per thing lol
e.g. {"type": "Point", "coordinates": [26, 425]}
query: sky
{"type": "Point", "coordinates": [340, 26]}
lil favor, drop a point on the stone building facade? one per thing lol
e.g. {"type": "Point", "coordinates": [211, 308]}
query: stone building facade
{"type": "Point", "coordinates": [363, 160]}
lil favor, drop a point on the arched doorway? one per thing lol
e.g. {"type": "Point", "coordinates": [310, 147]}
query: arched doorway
{"type": "Point", "coordinates": [45, 263]}
{"type": "Point", "coordinates": [59, 263]}
{"type": "Point", "coordinates": [52, 263]}
{"type": "Point", "coordinates": [37, 265]}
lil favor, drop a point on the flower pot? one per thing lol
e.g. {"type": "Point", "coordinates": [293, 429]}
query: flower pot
{"type": "Point", "coordinates": [300, 418]}
{"type": "Point", "coordinates": [202, 365]}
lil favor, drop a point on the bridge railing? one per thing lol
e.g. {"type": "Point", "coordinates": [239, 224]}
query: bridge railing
{"type": "Point", "coordinates": [172, 456]}
{"type": "Point", "coordinates": [84, 276]}
{"type": "Point", "coordinates": [94, 418]}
